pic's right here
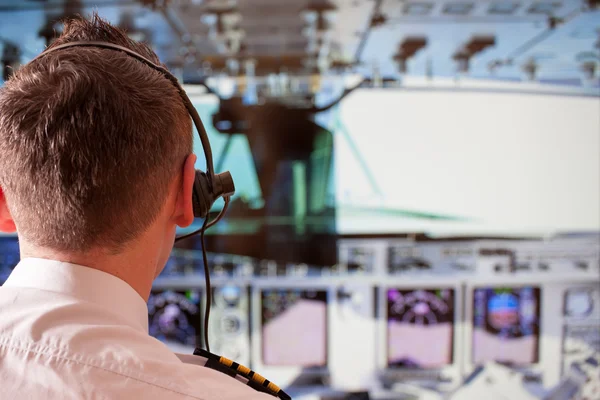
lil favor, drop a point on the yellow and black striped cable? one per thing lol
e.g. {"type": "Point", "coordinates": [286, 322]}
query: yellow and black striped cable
{"type": "Point", "coordinates": [233, 369]}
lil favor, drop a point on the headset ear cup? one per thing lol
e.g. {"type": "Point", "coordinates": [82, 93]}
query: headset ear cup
{"type": "Point", "coordinates": [201, 198]}
{"type": "Point", "coordinates": [204, 196]}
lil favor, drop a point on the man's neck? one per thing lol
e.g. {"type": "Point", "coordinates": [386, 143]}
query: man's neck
{"type": "Point", "coordinates": [134, 266]}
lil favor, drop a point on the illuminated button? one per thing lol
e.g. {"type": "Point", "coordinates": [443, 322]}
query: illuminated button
{"type": "Point", "coordinates": [578, 303]}
{"type": "Point", "coordinates": [228, 296]}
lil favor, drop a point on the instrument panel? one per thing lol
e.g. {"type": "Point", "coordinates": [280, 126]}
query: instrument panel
{"type": "Point", "coordinates": [424, 315]}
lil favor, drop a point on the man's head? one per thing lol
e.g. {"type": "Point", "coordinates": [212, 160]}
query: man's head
{"type": "Point", "coordinates": [94, 146]}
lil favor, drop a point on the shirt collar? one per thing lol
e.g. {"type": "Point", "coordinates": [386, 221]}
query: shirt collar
{"type": "Point", "coordinates": [82, 283]}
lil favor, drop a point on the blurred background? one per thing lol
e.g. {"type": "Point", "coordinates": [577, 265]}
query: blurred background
{"type": "Point", "coordinates": [417, 213]}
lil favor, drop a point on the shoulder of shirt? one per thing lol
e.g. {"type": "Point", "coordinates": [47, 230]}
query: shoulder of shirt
{"type": "Point", "coordinates": [169, 376]}
{"type": "Point", "coordinates": [133, 355]}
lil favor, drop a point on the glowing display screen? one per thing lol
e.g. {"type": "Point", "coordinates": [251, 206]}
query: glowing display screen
{"type": "Point", "coordinates": [174, 318]}
{"type": "Point", "coordinates": [420, 325]}
{"type": "Point", "coordinates": [9, 257]}
{"type": "Point", "coordinates": [294, 327]}
{"type": "Point", "coordinates": [506, 323]}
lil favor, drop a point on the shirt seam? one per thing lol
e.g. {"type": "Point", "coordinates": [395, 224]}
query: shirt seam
{"type": "Point", "coordinates": [68, 359]}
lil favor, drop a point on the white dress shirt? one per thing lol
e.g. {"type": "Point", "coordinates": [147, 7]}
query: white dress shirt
{"type": "Point", "coordinates": [72, 332]}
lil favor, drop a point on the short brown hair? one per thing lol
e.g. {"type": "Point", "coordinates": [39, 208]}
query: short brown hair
{"type": "Point", "coordinates": [90, 140]}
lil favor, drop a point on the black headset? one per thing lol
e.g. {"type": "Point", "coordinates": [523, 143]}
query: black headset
{"type": "Point", "coordinates": [208, 186]}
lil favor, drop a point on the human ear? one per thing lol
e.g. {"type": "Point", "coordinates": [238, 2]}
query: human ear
{"type": "Point", "coordinates": [7, 225]}
{"type": "Point", "coordinates": [184, 215]}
